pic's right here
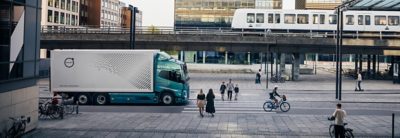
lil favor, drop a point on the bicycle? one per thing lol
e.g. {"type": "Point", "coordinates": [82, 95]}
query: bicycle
{"type": "Point", "coordinates": [18, 127]}
{"type": "Point", "coordinates": [283, 105]}
{"type": "Point", "coordinates": [51, 110]}
{"type": "Point", "coordinates": [277, 79]}
{"type": "Point", "coordinates": [348, 132]}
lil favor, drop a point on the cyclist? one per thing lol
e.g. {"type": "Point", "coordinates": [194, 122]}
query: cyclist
{"type": "Point", "coordinates": [273, 94]}
{"type": "Point", "coordinates": [339, 115]}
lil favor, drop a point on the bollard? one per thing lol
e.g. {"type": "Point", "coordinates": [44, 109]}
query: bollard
{"type": "Point", "coordinates": [393, 125]}
{"type": "Point", "coordinates": [77, 108]}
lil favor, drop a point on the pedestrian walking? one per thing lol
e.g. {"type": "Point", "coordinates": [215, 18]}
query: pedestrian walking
{"type": "Point", "coordinates": [230, 89]}
{"type": "Point", "coordinates": [236, 91]}
{"type": "Point", "coordinates": [210, 108]}
{"type": "Point", "coordinates": [339, 115]}
{"type": "Point", "coordinates": [201, 101]}
{"type": "Point", "coordinates": [358, 83]}
{"type": "Point", "coordinates": [222, 90]}
{"type": "Point", "coordinates": [258, 77]}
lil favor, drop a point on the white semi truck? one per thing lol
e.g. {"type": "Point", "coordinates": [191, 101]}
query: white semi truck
{"type": "Point", "coordinates": [119, 76]}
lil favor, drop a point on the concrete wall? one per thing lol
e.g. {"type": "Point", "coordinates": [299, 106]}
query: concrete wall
{"type": "Point", "coordinates": [17, 103]}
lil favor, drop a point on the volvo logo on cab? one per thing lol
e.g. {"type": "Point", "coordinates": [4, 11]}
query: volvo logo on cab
{"type": "Point", "coordinates": [69, 62]}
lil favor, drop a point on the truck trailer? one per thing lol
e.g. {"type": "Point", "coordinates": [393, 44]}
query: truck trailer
{"type": "Point", "coordinates": [118, 76]}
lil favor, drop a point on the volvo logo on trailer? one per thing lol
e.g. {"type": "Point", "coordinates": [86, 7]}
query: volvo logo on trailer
{"type": "Point", "coordinates": [69, 62]}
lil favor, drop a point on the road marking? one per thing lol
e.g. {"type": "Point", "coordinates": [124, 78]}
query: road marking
{"type": "Point", "coordinates": [232, 112]}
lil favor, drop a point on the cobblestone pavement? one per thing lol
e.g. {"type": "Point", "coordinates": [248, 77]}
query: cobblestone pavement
{"type": "Point", "coordinates": [312, 101]}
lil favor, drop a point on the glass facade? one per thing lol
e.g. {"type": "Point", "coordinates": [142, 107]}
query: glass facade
{"type": "Point", "coordinates": [18, 54]}
{"type": "Point", "coordinates": [208, 13]}
{"type": "Point", "coordinates": [269, 4]}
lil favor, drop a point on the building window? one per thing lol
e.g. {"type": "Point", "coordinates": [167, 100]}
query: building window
{"type": "Point", "coordinates": [367, 20]}
{"type": "Point", "coordinates": [332, 19]}
{"type": "Point", "coordinates": [73, 6]}
{"type": "Point", "coordinates": [73, 20]}
{"type": "Point", "coordinates": [290, 18]}
{"type": "Point", "coordinates": [62, 18]}
{"type": "Point", "coordinates": [68, 5]}
{"type": "Point", "coordinates": [68, 19]}
{"type": "Point", "coordinates": [250, 18]}
{"type": "Point", "coordinates": [57, 4]}
{"type": "Point", "coordinates": [360, 19]}
{"type": "Point", "coordinates": [393, 20]}
{"type": "Point", "coordinates": [50, 3]}
{"type": "Point", "coordinates": [270, 18]}
{"type": "Point", "coordinates": [380, 20]}
{"type": "Point", "coordinates": [277, 18]}
{"type": "Point", "coordinates": [49, 16]}
{"type": "Point", "coordinates": [349, 19]}
{"type": "Point", "coordinates": [302, 18]}
{"type": "Point", "coordinates": [102, 14]}
{"type": "Point", "coordinates": [62, 4]}
{"type": "Point", "coordinates": [56, 16]}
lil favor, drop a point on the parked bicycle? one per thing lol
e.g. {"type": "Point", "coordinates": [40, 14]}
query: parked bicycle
{"type": "Point", "coordinates": [18, 127]}
{"type": "Point", "coordinates": [348, 132]}
{"type": "Point", "coordinates": [50, 109]}
{"type": "Point", "coordinates": [277, 78]}
{"type": "Point", "coordinates": [283, 105]}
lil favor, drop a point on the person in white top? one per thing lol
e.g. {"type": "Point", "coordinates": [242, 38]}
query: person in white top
{"type": "Point", "coordinates": [230, 88]}
{"type": "Point", "coordinates": [359, 80]}
{"type": "Point", "coordinates": [339, 116]}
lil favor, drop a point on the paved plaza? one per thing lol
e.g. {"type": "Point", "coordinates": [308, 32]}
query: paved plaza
{"type": "Point", "coordinates": [312, 100]}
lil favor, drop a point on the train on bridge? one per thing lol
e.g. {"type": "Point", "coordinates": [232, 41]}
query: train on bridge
{"type": "Point", "coordinates": [316, 20]}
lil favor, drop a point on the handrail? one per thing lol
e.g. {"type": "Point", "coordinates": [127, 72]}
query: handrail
{"type": "Point", "coordinates": [166, 30]}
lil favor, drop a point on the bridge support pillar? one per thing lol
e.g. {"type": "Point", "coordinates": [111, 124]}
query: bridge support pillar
{"type": "Point", "coordinates": [282, 64]}
{"type": "Point", "coordinates": [369, 66]}
{"type": "Point", "coordinates": [374, 66]}
{"type": "Point", "coordinates": [248, 58]}
{"type": "Point", "coordinates": [356, 59]}
{"type": "Point", "coordinates": [296, 67]}
{"type": "Point", "coordinates": [361, 62]}
{"type": "Point", "coordinates": [204, 57]}
{"type": "Point", "coordinates": [226, 57]}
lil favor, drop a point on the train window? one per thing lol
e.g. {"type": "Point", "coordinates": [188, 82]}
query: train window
{"type": "Point", "coordinates": [260, 18]}
{"type": "Point", "coordinates": [290, 18]}
{"type": "Point", "coordinates": [302, 18]}
{"type": "Point", "coordinates": [321, 19]}
{"type": "Point", "coordinates": [393, 20]}
{"type": "Point", "coordinates": [270, 18]}
{"type": "Point", "coordinates": [380, 20]}
{"type": "Point", "coordinates": [315, 19]}
{"type": "Point", "coordinates": [349, 19]}
{"type": "Point", "coordinates": [277, 18]}
{"type": "Point", "coordinates": [360, 19]}
{"type": "Point", "coordinates": [332, 19]}
{"type": "Point", "coordinates": [250, 18]}
{"type": "Point", "coordinates": [367, 20]}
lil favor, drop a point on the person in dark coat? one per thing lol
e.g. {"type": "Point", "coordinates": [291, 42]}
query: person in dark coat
{"type": "Point", "coordinates": [210, 102]}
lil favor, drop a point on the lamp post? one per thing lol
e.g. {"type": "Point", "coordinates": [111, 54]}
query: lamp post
{"type": "Point", "coordinates": [339, 43]}
{"type": "Point", "coordinates": [133, 26]}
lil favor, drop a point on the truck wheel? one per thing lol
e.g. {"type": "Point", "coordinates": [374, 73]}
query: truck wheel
{"type": "Point", "coordinates": [167, 99]}
{"type": "Point", "coordinates": [100, 99]}
{"type": "Point", "coordinates": [83, 99]}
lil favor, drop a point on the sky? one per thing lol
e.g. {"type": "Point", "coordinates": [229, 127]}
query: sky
{"type": "Point", "coordinates": [155, 12]}
{"type": "Point", "coordinates": [161, 12]}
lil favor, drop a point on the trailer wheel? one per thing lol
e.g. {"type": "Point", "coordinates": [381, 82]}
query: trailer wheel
{"type": "Point", "coordinates": [100, 99]}
{"type": "Point", "coordinates": [168, 99]}
{"type": "Point", "coordinates": [83, 99]}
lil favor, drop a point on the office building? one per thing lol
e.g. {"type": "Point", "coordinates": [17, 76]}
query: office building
{"type": "Point", "coordinates": [322, 4]}
{"type": "Point", "coordinates": [207, 13]}
{"type": "Point", "coordinates": [19, 65]}
{"type": "Point", "coordinates": [268, 4]}
{"type": "Point", "coordinates": [60, 13]}
{"type": "Point", "coordinates": [126, 18]}
{"type": "Point", "coordinates": [100, 13]}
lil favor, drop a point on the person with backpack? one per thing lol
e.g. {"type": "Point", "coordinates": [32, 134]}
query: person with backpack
{"type": "Point", "coordinates": [236, 89]}
{"type": "Point", "coordinates": [222, 90]}
{"type": "Point", "coordinates": [258, 77]}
